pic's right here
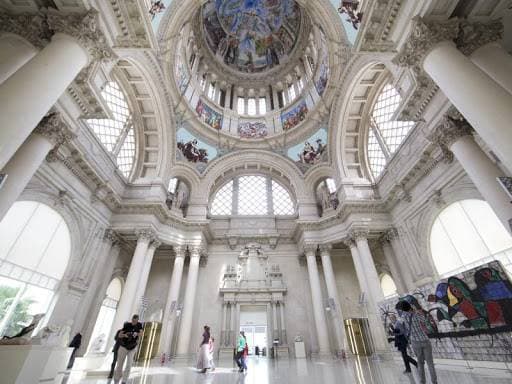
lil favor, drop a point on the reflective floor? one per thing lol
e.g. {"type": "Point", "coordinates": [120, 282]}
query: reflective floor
{"type": "Point", "coordinates": [264, 371]}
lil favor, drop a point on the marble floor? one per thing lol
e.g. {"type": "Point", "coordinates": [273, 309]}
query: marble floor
{"type": "Point", "coordinates": [265, 371]}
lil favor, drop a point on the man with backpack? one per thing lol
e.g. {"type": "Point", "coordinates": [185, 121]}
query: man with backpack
{"type": "Point", "coordinates": [128, 340]}
{"type": "Point", "coordinates": [114, 350]}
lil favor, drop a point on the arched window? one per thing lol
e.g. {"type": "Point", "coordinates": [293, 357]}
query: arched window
{"type": "Point", "coordinates": [466, 234]}
{"type": "Point", "coordinates": [388, 285]}
{"type": "Point", "coordinates": [105, 319]}
{"type": "Point", "coordinates": [385, 134]}
{"type": "Point", "coordinates": [116, 134]}
{"type": "Point", "coordinates": [34, 252]}
{"type": "Point", "coordinates": [252, 196]}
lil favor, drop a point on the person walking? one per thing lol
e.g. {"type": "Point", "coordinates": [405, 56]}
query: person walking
{"type": "Point", "coordinates": [245, 354]}
{"type": "Point", "coordinates": [203, 358]}
{"type": "Point", "coordinates": [240, 352]}
{"type": "Point", "coordinates": [129, 338]}
{"type": "Point", "coordinates": [211, 353]}
{"type": "Point", "coordinates": [415, 322]}
{"type": "Point", "coordinates": [75, 344]}
{"type": "Point", "coordinates": [117, 343]}
{"type": "Point", "coordinates": [401, 341]}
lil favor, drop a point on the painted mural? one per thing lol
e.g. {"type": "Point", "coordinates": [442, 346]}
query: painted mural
{"type": "Point", "coordinates": [294, 116]}
{"type": "Point", "coordinates": [208, 115]}
{"type": "Point", "coordinates": [251, 35]}
{"type": "Point", "coordinates": [475, 302]}
{"type": "Point", "coordinates": [311, 151]}
{"type": "Point", "coordinates": [157, 6]}
{"type": "Point", "coordinates": [252, 130]}
{"type": "Point", "coordinates": [193, 150]}
{"type": "Point", "coordinates": [321, 82]}
{"type": "Point", "coordinates": [182, 77]}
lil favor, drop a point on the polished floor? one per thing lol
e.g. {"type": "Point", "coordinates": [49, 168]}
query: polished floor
{"type": "Point", "coordinates": [264, 371]}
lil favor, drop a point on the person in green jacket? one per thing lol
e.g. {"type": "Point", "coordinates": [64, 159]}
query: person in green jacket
{"type": "Point", "coordinates": [240, 352]}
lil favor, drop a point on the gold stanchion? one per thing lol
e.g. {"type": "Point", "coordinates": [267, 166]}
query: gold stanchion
{"type": "Point", "coordinates": [148, 346]}
{"type": "Point", "coordinates": [359, 337]}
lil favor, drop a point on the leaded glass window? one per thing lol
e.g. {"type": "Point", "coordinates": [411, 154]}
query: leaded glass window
{"type": "Point", "coordinates": [282, 202]}
{"type": "Point", "coordinates": [386, 134]}
{"type": "Point", "coordinates": [116, 134]}
{"type": "Point", "coordinates": [223, 202]}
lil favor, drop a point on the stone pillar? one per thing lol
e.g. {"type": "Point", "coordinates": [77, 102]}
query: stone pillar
{"type": "Point", "coordinates": [14, 53]}
{"type": "Point", "coordinates": [496, 63]}
{"type": "Point", "coordinates": [275, 334]}
{"type": "Point", "coordinates": [283, 324]}
{"type": "Point", "coordinates": [370, 286]}
{"type": "Point", "coordinates": [401, 259]}
{"type": "Point", "coordinates": [171, 305]}
{"type": "Point", "coordinates": [455, 133]}
{"type": "Point", "coordinates": [396, 274]}
{"type": "Point", "coordinates": [318, 304]}
{"type": "Point", "coordinates": [224, 329]}
{"type": "Point", "coordinates": [27, 95]}
{"type": "Point", "coordinates": [188, 304]}
{"type": "Point", "coordinates": [232, 325]}
{"type": "Point", "coordinates": [332, 291]}
{"type": "Point", "coordinates": [481, 100]}
{"type": "Point", "coordinates": [50, 132]}
{"type": "Point", "coordinates": [144, 275]}
{"type": "Point", "coordinates": [124, 309]}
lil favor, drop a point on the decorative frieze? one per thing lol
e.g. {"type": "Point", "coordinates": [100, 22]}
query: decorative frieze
{"type": "Point", "coordinates": [473, 35]}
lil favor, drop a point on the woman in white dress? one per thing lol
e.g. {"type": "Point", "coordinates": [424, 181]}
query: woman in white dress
{"type": "Point", "coordinates": [203, 359]}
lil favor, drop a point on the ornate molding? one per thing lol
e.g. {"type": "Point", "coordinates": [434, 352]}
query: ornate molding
{"type": "Point", "coordinates": [310, 249]}
{"type": "Point", "coordinates": [473, 35]}
{"type": "Point", "coordinates": [111, 236]}
{"type": "Point", "coordinates": [145, 234]}
{"type": "Point", "coordinates": [359, 234]}
{"type": "Point", "coordinates": [155, 244]}
{"type": "Point", "coordinates": [33, 27]}
{"type": "Point", "coordinates": [452, 128]}
{"type": "Point", "coordinates": [325, 248]}
{"type": "Point", "coordinates": [54, 129]}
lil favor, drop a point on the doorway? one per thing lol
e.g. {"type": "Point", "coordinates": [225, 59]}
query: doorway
{"type": "Point", "coordinates": [253, 322]}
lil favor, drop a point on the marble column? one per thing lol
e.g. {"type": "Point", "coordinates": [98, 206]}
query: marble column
{"type": "Point", "coordinates": [393, 266]}
{"type": "Point", "coordinates": [171, 305]}
{"type": "Point", "coordinates": [283, 324]}
{"type": "Point", "coordinates": [144, 275]}
{"type": "Point", "coordinates": [188, 304]}
{"type": "Point", "coordinates": [332, 291]}
{"type": "Point", "coordinates": [369, 283]}
{"type": "Point", "coordinates": [223, 332]}
{"type": "Point", "coordinates": [14, 53]}
{"type": "Point", "coordinates": [317, 300]}
{"type": "Point", "coordinates": [496, 63]}
{"type": "Point", "coordinates": [50, 132]}
{"type": "Point", "coordinates": [232, 324]}
{"type": "Point", "coordinates": [275, 327]}
{"type": "Point", "coordinates": [125, 306]}
{"type": "Point", "coordinates": [482, 101]}
{"type": "Point", "coordinates": [455, 133]}
{"type": "Point", "coordinates": [405, 272]}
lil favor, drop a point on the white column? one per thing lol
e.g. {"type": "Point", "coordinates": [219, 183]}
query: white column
{"type": "Point", "coordinates": [483, 102]}
{"type": "Point", "coordinates": [496, 63]}
{"type": "Point", "coordinates": [169, 320]}
{"type": "Point", "coordinates": [283, 324]}
{"type": "Point", "coordinates": [332, 291]}
{"type": "Point", "coordinates": [124, 309]}
{"type": "Point", "coordinates": [144, 275]}
{"type": "Point", "coordinates": [275, 334]}
{"type": "Point", "coordinates": [318, 304]}
{"type": "Point", "coordinates": [29, 157]}
{"type": "Point", "coordinates": [456, 135]}
{"type": "Point", "coordinates": [14, 53]}
{"type": "Point", "coordinates": [188, 303]}
{"type": "Point", "coordinates": [27, 95]}
{"type": "Point", "coordinates": [232, 325]}
{"type": "Point", "coordinates": [364, 275]}
{"type": "Point", "coordinates": [223, 332]}
{"type": "Point", "coordinates": [390, 260]}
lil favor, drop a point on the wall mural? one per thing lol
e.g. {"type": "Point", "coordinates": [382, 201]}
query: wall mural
{"type": "Point", "coordinates": [251, 35]}
{"type": "Point", "coordinates": [294, 116]}
{"type": "Point", "coordinates": [310, 152]}
{"type": "Point", "coordinates": [321, 82]}
{"type": "Point", "coordinates": [193, 150]}
{"type": "Point", "coordinates": [182, 77]}
{"type": "Point", "coordinates": [478, 301]}
{"type": "Point", "coordinates": [209, 116]}
{"type": "Point", "coordinates": [252, 130]}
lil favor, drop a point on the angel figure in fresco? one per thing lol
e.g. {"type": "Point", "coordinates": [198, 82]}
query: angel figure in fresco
{"type": "Point", "coordinates": [156, 8]}
{"type": "Point", "coordinates": [310, 154]}
{"type": "Point", "coordinates": [349, 7]}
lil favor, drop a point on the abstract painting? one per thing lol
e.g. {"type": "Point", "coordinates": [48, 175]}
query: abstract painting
{"type": "Point", "coordinates": [208, 116]}
{"type": "Point", "coordinates": [251, 35]}
{"type": "Point", "coordinates": [294, 116]}
{"type": "Point", "coordinates": [252, 130]}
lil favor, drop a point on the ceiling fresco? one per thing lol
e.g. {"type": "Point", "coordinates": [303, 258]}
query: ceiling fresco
{"type": "Point", "coordinates": [251, 35]}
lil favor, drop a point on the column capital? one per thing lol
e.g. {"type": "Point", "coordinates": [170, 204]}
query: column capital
{"type": "Point", "coordinates": [155, 244]}
{"type": "Point", "coordinates": [180, 251]}
{"type": "Point", "coordinates": [349, 242]}
{"type": "Point", "coordinates": [325, 249]}
{"type": "Point", "coordinates": [359, 234]}
{"type": "Point", "coordinates": [424, 35]}
{"type": "Point", "coordinates": [388, 236]}
{"type": "Point", "coordinates": [145, 234]}
{"type": "Point", "coordinates": [54, 129]}
{"type": "Point", "coordinates": [111, 236]}
{"type": "Point", "coordinates": [310, 249]}
{"type": "Point", "coordinates": [452, 128]}
{"type": "Point", "coordinates": [473, 35]}
{"type": "Point", "coordinates": [196, 250]}
{"type": "Point", "coordinates": [85, 29]}
{"type": "Point", "coordinates": [31, 26]}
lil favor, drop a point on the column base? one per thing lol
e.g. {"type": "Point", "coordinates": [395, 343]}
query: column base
{"type": "Point", "coordinates": [283, 352]}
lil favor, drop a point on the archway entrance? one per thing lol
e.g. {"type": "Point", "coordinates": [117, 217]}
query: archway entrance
{"type": "Point", "coordinates": [253, 322]}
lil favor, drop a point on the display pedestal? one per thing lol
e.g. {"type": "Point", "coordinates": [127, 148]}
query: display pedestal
{"type": "Point", "coordinates": [300, 350]}
{"type": "Point", "coordinates": [24, 364]}
{"type": "Point", "coordinates": [282, 352]}
{"type": "Point", "coordinates": [226, 354]}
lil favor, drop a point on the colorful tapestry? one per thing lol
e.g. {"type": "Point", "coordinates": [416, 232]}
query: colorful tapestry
{"type": "Point", "coordinates": [251, 35]}
{"type": "Point", "coordinates": [294, 116]}
{"type": "Point", "coordinates": [475, 302]}
{"type": "Point", "coordinates": [208, 115]}
{"type": "Point", "coordinates": [252, 130]}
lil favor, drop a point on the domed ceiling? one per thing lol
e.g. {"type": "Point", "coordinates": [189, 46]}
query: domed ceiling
{"type": "Point", "coordinates": [251, 36]}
